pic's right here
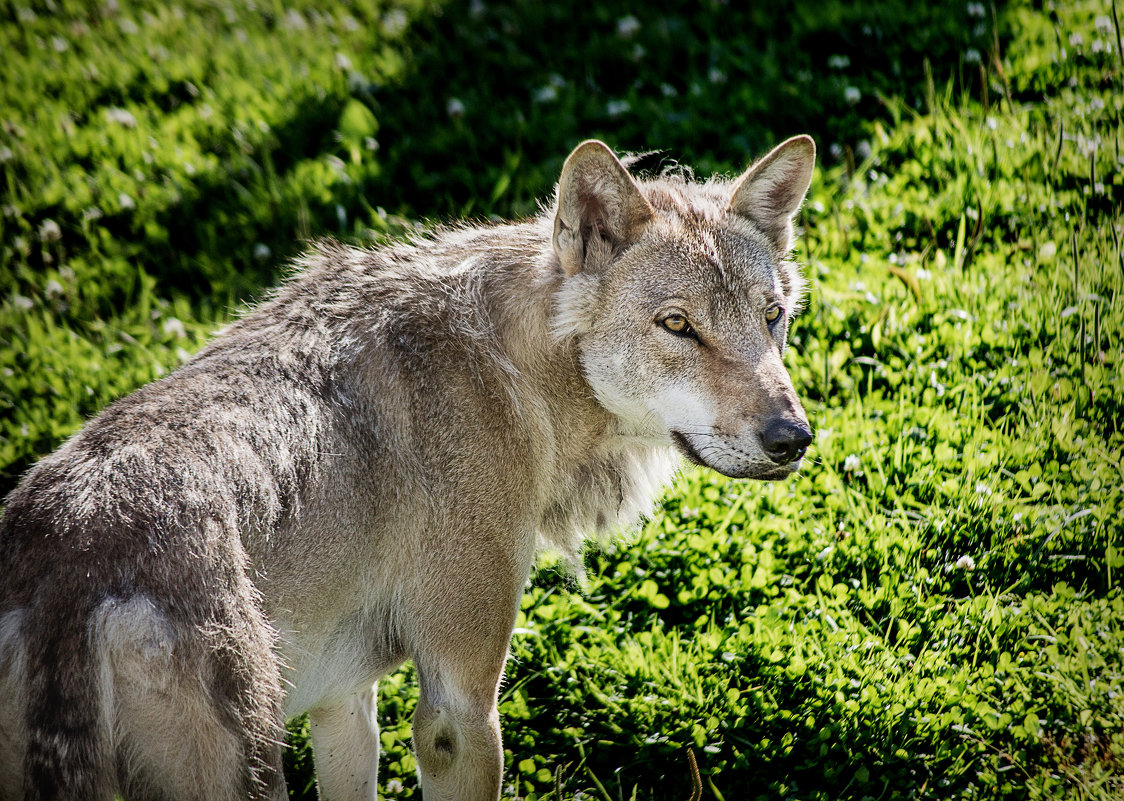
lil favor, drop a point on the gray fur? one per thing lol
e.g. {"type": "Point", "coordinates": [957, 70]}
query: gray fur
{"type": "Point", "coordinates": [360, 471]}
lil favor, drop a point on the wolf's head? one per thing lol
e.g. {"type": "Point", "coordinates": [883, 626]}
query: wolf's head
{"type": "Point", "coordinates": [679, 295]}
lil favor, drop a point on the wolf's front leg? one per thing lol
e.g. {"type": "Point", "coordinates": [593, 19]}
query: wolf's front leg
{"type": "Point", "coordinates": [457, 737]}
{"type": "Point", "coordinates": [459, 648]}
{"type": "Point", "coordinates": [345, 744]}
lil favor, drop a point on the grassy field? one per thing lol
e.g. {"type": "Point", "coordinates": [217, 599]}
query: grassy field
{"type": "Point", "coordinates": [931, 610]}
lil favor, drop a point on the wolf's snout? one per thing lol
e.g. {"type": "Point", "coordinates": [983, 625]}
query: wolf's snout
{"type": "Point", "coordinates": [784, 441]}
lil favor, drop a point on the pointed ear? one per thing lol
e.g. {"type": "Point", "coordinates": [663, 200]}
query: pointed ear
{"type": "Point", "coordinates": [770, 192]}
{"type": "Point", "coordinates": [598, 202]}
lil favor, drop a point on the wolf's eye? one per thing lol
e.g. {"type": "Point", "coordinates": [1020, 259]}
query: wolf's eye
{"type": "Point", "coordinates": [772, 313]}
{"type": "Point", "coordinates": [677, 324]}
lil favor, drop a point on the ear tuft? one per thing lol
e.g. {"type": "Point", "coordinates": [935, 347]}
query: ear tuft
{"type": "Point", "coordinates": [597, 200]}
{"type": "Point", "coordinates": [770, 192]}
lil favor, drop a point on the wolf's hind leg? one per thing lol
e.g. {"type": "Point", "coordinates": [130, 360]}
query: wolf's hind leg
{"type": "Point", "coordinates": [345, 745]}
{"type": "Point", "coordinates": [197, 705]}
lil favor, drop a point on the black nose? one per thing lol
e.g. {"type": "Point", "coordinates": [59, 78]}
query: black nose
{"type": "Point", "coordinates": [785, 441]}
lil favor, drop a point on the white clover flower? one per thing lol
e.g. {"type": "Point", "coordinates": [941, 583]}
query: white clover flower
{"type": "Point", "coordinates": [454, 108]}
{"type": "Point", "coordinates": [616, 108]}
{"type": "Point", "coordinates": [174, 326]}
{"type": "Point", "coordinates": [53, 289]}
{"type": "Point", "coordinates": [1104, 24]}
{"type": "Point", "coordinates": [976, 10]}
{"type": "Point", "coordinates": [972, 56]}
{"type": "Point", "coordinates": [49, 231]}
{"type": "Point", "coordinates": [121, 117]}
{"type": "Point", "coordinates": [965, 562]}
{"type": "Point", "coordinates": [839, 62]}
{"type": "Point", "coordinates": [395, 22]}
{"type": "Point", "coordinates": [394, 786]}
{"type": "Point", "coordinates": [852, 95]}
{"type": "Point", "coordinates": [1076, 39]}
{"type": "Point", "coordinates": [937, 385]}
{"type": "Point", "coordinates": [982, 488]}
{"type": "Point", "coordinates": [294, 21]}
{"type": "Point", "coordinates": [628, 26]}
{"type": "Point", "coordinates": [126, 201]}
{"type": "Point", "coordinates": [545, 94]}
{"type": "Point", "coordinates": [852, 463]}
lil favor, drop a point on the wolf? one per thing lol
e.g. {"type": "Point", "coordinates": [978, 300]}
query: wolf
{"type": "Point", "coordinates": [360, 472]}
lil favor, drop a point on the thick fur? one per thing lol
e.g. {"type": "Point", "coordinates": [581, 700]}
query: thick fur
{"type": "Point", "coordinates": [360, 471]}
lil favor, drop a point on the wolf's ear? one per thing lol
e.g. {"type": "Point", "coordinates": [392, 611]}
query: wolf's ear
{"type": "Point", "coordinates": [598, 202]}
{"type": "Point", "coordinates": [770, 192]}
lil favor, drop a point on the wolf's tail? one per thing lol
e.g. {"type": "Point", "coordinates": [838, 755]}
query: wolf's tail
{"type": "Point", "coordinates": [68, 751]}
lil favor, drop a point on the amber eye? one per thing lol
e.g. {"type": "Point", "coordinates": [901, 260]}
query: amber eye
{"type": "Point", "coordinates": [677, 324]}
{"type": "Point", "coordinates": [772, 313]}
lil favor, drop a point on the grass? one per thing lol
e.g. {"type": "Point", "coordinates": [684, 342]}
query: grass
{"type": "Point", "coordinates": [931, 610]}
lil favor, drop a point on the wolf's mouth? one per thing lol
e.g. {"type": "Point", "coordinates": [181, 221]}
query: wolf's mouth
{"type": "Point", "coordinates": [687, 448]}
{"type": "Point", "coordinates": [684, 445]}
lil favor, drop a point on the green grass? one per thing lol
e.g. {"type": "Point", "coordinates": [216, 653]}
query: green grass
{"type": "Point", "coordinates": [931, 610]}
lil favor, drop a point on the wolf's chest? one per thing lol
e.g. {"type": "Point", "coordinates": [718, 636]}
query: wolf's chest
{"type": "Point", "coordinates": [604, 494]}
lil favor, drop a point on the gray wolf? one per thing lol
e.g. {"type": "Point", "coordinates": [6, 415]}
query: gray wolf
{"type": "Point", "coordinates": [361, 470]}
